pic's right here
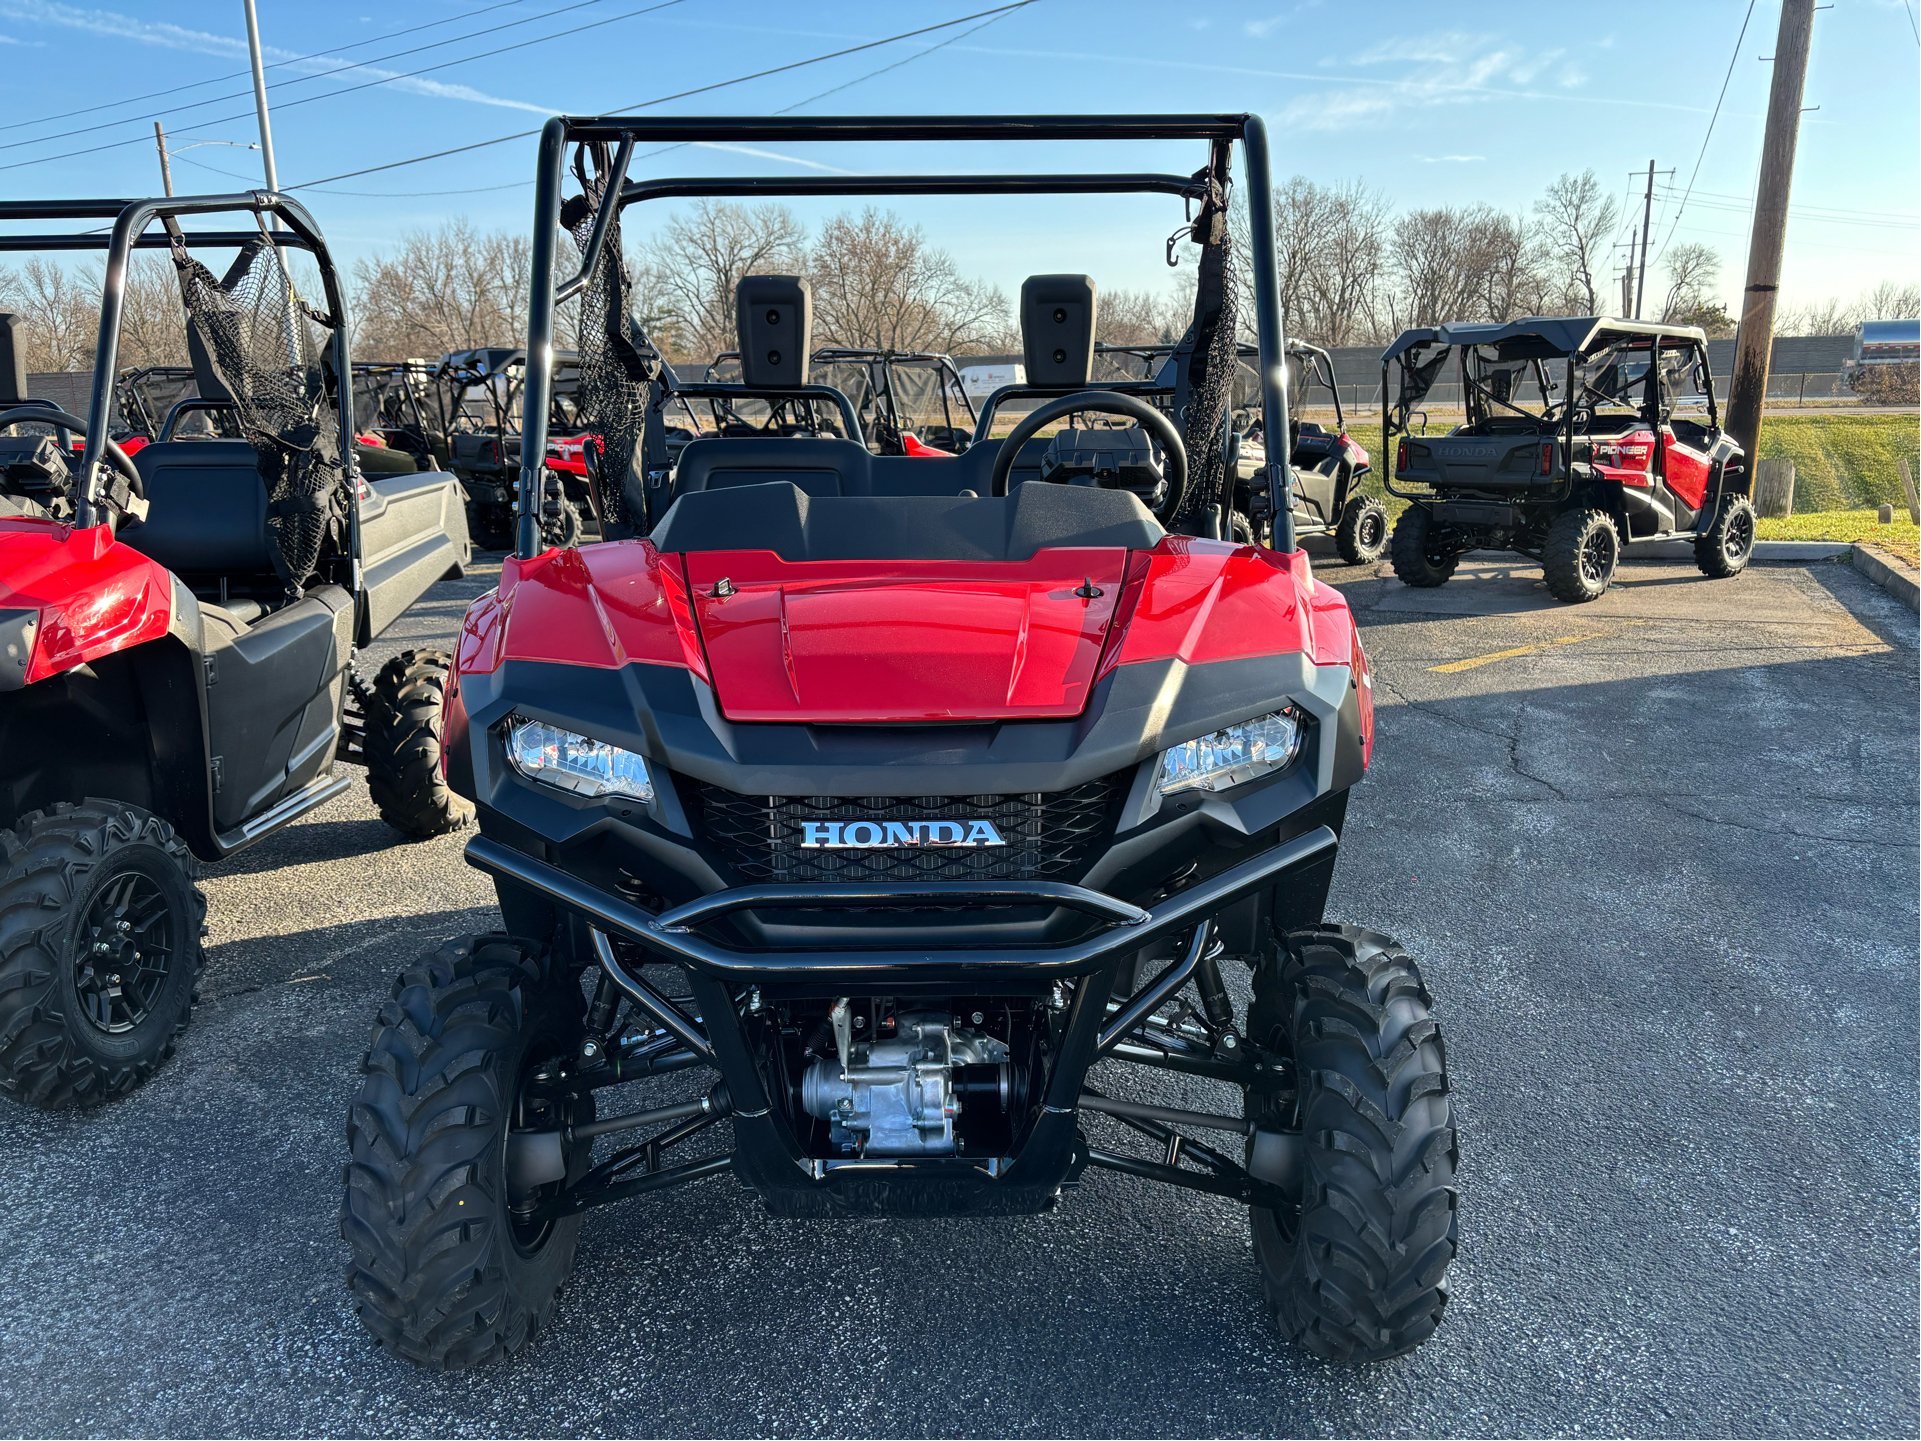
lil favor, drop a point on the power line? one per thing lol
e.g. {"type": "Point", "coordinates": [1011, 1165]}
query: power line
{"type": "Point", "coordinates": [1808, 214]}
{"type": "Point", "coordinates": [358, 65]}
{"type": "Point", "coordinates": [1906, 217]}
{"type": "Point", "coordinates": [666, 149]}
{"type": "Point", "coordinates": [664, 99]}
{"type": "Point", "coordinates": [237, 74]}
{"type": "Point", "coordinates": [1695, 174]}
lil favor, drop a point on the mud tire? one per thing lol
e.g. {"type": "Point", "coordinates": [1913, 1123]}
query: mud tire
{"type": "Point", "coordinates": [406, 715]}
{"type": "Point", "coordinates": [1580, 555]}
{"type": "Point", "coordinates": [1724, 549]}
{"type": "Point", "coordinates": [1362, 535]}
{"type": "Point", "coordinates": [1358, 1272]}
{"type": "Point", "coordinates": [440, 1274]}
{"type": "Point", "coordinates": [1417, 560]}
{"type": "Point", "coordinates": [58, 871]}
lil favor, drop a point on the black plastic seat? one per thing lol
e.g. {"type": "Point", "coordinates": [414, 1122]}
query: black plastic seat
{"type": "Point", "coordinates": [207, 509]}
{"type": "Point", "coordinates": [798, 526]}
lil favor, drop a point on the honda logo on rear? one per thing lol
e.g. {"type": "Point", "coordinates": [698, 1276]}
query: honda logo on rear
{"type": "Point", "coordinates": [871, 835]}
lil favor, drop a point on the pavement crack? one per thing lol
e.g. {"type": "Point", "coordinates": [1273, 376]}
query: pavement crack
{"type": "Point", "coordinates": [1785, 831]}
{"type": "Point", "coordinates": [1511, 740]}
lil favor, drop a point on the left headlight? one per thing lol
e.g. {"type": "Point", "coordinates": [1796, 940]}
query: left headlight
{"type": "Point", "coordinates": [1229, 757]}
{"type": "Point", "coordinates": [576, 763]}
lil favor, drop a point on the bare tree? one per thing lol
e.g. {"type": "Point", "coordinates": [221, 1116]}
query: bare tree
{"type": "Point", "coordinates": [686, 274]}
{"type": "Point", "coordinates": [59, 312]}
{"type": "Point", "coordinates": [153, 325]}
{"type": "Point", "coordinates": [1329, 247]}
{"type": "Point", "coordinates": [1436, 273]}
{"type": "Point", "coordinates": [1578, 220]}
{"type": "Point", "coordinates": [1346, 264]}
{"type": "Point", "coordinates": [1892, 300]}
{"type": "Point", "coordinates": [1692, 270]}
{"type": "Point", "coordinates": [450, 289]}
{"type": "Point", "coordinates": [1139, 317]}
{"type": "Point", "coordinates": [1513, 272]}
{"type": "Point", "coordinates": [878, 283]}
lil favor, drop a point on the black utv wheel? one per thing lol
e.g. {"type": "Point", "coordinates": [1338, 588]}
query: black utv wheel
{"type": "Point", "coordinates": [1424, 555]}
{"type": "Point", "coordinates": [406, 710]}
{"type": "Point", "coordinates": [100, 950]}
{"type": "Point", "coordinates": [1356, 1271]}
{"type": "Point", "coordinates": [1361, 536]}
{"type": "Point", "coordinates": [1725, 547]}
{"type": "Point", "coordinates": [490, 526]}
{"type": "Point", "coordinates": [1578, 559]}
{"type": "Point", "coordinates": [450, 1266]}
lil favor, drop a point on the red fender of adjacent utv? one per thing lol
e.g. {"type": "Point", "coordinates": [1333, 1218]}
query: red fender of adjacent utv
{"type": "Point", "coordinates": [94, 595]}
{"type": "Point", "coordinates": [905, 641]}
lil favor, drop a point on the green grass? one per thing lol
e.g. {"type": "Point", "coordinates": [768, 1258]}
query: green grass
{"type": "Point", "coordinates": [1903, 537]}
{"type": "Point", "coordinates": [1842, 462]}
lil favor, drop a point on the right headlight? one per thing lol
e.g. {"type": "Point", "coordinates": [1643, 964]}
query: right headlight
{"type": "Point", "coordinates": [1229, 757]}
{"type": "Point", "coordinates": [576, 763]}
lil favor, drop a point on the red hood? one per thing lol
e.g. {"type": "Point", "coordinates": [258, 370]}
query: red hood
{"type": "Point", "coordinates": [904, 640]}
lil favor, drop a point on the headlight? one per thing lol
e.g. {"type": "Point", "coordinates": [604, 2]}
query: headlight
{"type": "Point", "coordinates": [575, 763]}
{"type": "Point", "coordinates": [1228, 757]}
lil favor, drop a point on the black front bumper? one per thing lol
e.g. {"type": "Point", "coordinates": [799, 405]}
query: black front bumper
{"type": "Point", "coordinates": [767, 1156]}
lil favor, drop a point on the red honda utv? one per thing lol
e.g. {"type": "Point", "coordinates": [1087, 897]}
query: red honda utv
{"type": "Point", "coordinates": [1582, 434]}
{"type": "Point", "coordinates": [177, 631]}
{"type": "Point", "coordinates": [950, 790]}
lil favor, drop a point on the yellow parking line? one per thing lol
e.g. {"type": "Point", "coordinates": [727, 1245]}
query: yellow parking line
{"type": "Point", "coordinates": [1457, 665]}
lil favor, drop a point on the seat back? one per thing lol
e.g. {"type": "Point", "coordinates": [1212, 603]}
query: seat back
{"type": "Point", "coordinates": [13, 363]}
{"type": "Point", "coordinates": [839, 467]}
{"type": "Point", "coordinates": [207, 509]}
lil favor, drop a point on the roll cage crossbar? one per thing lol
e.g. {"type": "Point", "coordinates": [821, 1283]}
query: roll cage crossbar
{"type": "Point", "coordinates": [129, 233]}
{"type": "Point", "coordinates": [549, 289]}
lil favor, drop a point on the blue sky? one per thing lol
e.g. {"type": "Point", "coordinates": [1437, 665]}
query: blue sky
{"type": "Point", "coordinates": [1427, 104]}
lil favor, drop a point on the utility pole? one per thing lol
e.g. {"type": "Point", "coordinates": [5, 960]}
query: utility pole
{"type": "Point", "coordinates": [260, 98]}
{"type": "Point", "coordinates": [1754, 342]}
{"type": "Point", "coordinates": [166, 170]}
{"type": "Point", "coordinates": [1647, 218]}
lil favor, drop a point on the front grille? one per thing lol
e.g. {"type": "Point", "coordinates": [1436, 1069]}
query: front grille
{"type": "Point", "coordinates": [1049, 836]}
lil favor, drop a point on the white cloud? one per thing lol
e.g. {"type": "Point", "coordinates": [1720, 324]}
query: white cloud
{"type": "Point", "coordinates": [1261, 29]}
{"type": "Point", "coordinates": [1446, 67]}
{"type": "Point", "coordinates": [773, 155]}
{"type": "Point", "coordinates": [165, 36]}
{"type": "Point", "coordinates": [1450, 159]}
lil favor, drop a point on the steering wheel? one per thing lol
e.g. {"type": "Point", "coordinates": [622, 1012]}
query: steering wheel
{"type": "Point", "coordinates": [1102, 402]}
{"type": "Point", "coordinates": [1583, 416]}
{"type": "Point", "coordinates": [47, 415]}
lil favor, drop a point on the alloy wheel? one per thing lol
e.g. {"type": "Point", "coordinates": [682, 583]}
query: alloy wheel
{"type": "Point", "coordinates": [125, 947]}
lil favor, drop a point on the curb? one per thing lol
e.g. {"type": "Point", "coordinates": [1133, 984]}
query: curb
{"type": "Point", "coordinates": [1891, 573]}
{"type": "Point", "coordinates": [1764, 550]}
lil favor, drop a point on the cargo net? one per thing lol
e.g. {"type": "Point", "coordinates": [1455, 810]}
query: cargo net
{"type": "Point", "coordinates": [1212, 373]}
{"type": "Point", "coordinates": [618, 364]}
{"type": "Point", "coordinates": [265, 345]}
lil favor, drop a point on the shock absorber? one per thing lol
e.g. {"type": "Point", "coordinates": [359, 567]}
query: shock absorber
{"type": "Point", "coordinates": [1215, 1004]}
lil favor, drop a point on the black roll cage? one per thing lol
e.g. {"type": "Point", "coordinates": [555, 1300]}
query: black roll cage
{"type": "Point", "coordinates": [875, 358]}
{"type": "Point", "coordinates": [129, 233]}
{"type": "Point", "coordinates": [549, 290]}
{"type": "Point", "coordinates": [1603, 335]}
{"type": "Point", "coordinates": [1315, 361]}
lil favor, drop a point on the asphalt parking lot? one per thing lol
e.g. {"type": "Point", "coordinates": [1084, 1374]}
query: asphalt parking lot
{"type": "Point", "coordinates": [1658, 858]}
